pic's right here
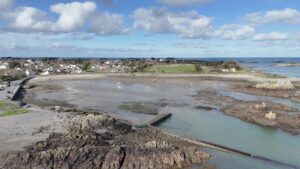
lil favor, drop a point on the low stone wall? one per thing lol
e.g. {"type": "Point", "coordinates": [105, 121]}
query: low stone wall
{"type": "Point", "coordinates": [17, 87]}
{"type": "Point", "coordinates": [158, 119]}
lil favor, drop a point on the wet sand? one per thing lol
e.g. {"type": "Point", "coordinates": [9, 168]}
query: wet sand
{"type": "Point", "coordinates": [118, 94]}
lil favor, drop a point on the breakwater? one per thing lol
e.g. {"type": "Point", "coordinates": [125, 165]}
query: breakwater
{"type": "Point", "coordinates": [228, 150]}
{"type": "Point", "coordinates": [16, 88]}
{"type": "Point", "coordinates": [160, 118]}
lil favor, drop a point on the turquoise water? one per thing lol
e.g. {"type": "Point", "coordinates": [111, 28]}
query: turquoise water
{"type": "Point", "coordinates": [214, 127]}
{"type": "Point", "coordinates": [230, 161]}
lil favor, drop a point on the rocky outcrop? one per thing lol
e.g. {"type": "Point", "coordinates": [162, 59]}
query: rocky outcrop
{"type": "Point", "coordinates": [272, 115]}
{"type": "Point", "coordinates": [99, 141]}
{"type": "Point", "coordinates": [279, 84]}
{"type": "Point", "coordinates": [291, 92]}
{"type": "Point", "coordinates": [263, 113]}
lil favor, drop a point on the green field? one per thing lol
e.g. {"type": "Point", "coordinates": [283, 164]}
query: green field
{"type": "Point", "coordinates": [7, 106]}
{"type": "Point", "coordinates": [173, 68]}
{"type": "Point", "coordinates": [14, 112]}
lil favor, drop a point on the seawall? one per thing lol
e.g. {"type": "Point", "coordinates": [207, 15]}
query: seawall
{"type": "Point", "coordinates": [17, 87]}
{"type": "Point", "coordinates": [227, 149]}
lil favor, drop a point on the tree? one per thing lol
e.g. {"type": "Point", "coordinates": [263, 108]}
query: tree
{"type": "Point", "coordinates": [198, 68]}
{"type": "Point", "coordinates": [230, 65]}
{"type": "Point", "coordinates": [86, 66]}
{"type": "Point", "coordinates": [13, 64]}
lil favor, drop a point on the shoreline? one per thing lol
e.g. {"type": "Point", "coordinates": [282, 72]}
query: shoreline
{"type": "Point", "coordinates": [231, 78]}
{"type": "Point", "coordinates": [99, 76]}
{"type": "Point", "coordinates": [163, 140]}
{"type": "Point", "coordinates": [91, 76]}
{"type": "Point", "coordinates": [99, 134]}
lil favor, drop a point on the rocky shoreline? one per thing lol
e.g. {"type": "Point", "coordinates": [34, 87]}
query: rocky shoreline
{"type": "Point", "coordinates": [257, 112]}
{"type": "Point", "coordinates": [266, 114]}
{"type": "Point", "coordinates": [287, 65]}
{"type": "Point", "coordinates": [292, 93]}
{"type": "Point", "coordinates": [96, 140]}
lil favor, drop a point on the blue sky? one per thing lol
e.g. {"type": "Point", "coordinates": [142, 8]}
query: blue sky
{"type": "Point", "coordinates": [150, 28]}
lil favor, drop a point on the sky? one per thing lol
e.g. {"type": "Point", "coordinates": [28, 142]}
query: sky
{"type": "Point", "coordinates": [150, 28]}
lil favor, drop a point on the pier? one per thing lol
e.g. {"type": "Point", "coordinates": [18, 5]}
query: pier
{"type": "Point", "coordinates": [12, 92]}
{"type": "Point", "coordinates": [158, 119]}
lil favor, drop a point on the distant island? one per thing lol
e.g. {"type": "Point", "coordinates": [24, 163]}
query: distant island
{"type": "Point", "coordinates": [287, 65]}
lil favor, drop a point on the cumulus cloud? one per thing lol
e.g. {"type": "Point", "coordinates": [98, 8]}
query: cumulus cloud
{"type": "Point", "coordinates": [108, 24]}
{"type": "Point", "coordinates": [59, 47]}
{"type": "Point", "coordinates": [28, 19]}
{"type": "Point", "coordinates": [5, 4]}
{"type": "Point", "coordinates": [161, 20]}
{"type": "Point", "coordinates": [273, 36]}
{"type": "Point", "coordinates": [275, 16]}
{"type": "Point", "coordinates": [72, 15]}
{"type": "Point", "coordinates": [235, 32]}
{"type": "Point", "coordinates": [179, 3]}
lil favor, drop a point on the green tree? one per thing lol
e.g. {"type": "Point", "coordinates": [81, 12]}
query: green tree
{"type": "Point", "coordinates": [198, 68]}
{"type": "Point", "coordinates": [86, 66]}
{"type": "Point", "coordinates": [13, 64]}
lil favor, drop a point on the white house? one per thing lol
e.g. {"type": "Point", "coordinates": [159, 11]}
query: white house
{"type": "Point", "coordinates": [4, 66]}
{"type": "Point", "coordinates": [27, 72]}
{"type": "Point", "coordinates": [45, 73]}
{"type": "Point", "coordinates": [229, 70]}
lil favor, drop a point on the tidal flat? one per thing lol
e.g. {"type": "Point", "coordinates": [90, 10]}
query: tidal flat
{"type": "Point", "coordinates": [198, 106]}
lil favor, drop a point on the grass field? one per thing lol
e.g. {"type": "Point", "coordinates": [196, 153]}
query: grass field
{"type": "Point", "coordinates": [7, 106]}
{"type": "Point", "coordinates": [14, 112]}
{"type": "Point", "coordinates": [173, 68]}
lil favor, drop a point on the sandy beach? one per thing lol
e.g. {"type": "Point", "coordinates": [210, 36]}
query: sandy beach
{"type": "Point", "coordinates": [249, 77]}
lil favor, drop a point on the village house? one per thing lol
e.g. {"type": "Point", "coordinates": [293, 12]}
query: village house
{"type": "Point", "coordinates": [4, 66]}
{"type": "Point", "coordinates": [229, 70]}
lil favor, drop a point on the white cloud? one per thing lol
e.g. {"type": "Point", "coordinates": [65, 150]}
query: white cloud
{"type": "Point", "coordinates": [235, 32]}
{"type": "Point", "coordinates": [275, 16]}
{"type": "Point", "coordinates": [108, 24]}
{"type": "Point", "coordinates": [8, 46]}
{"type": "Point", "coordinates": [28, 19]}
{"type": "Point", "coordinates": [73, 16]}
{"type": "Point", "coordinates": [5, 4]}
{"type": "Point", "coordinates": [178, 3]}
{"type": "Point", "coordinates": [59, 47]}
{"type": "Point", "coordinates": [273, 36]}
{"type": "Point", "coordinates": [161, 20]}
